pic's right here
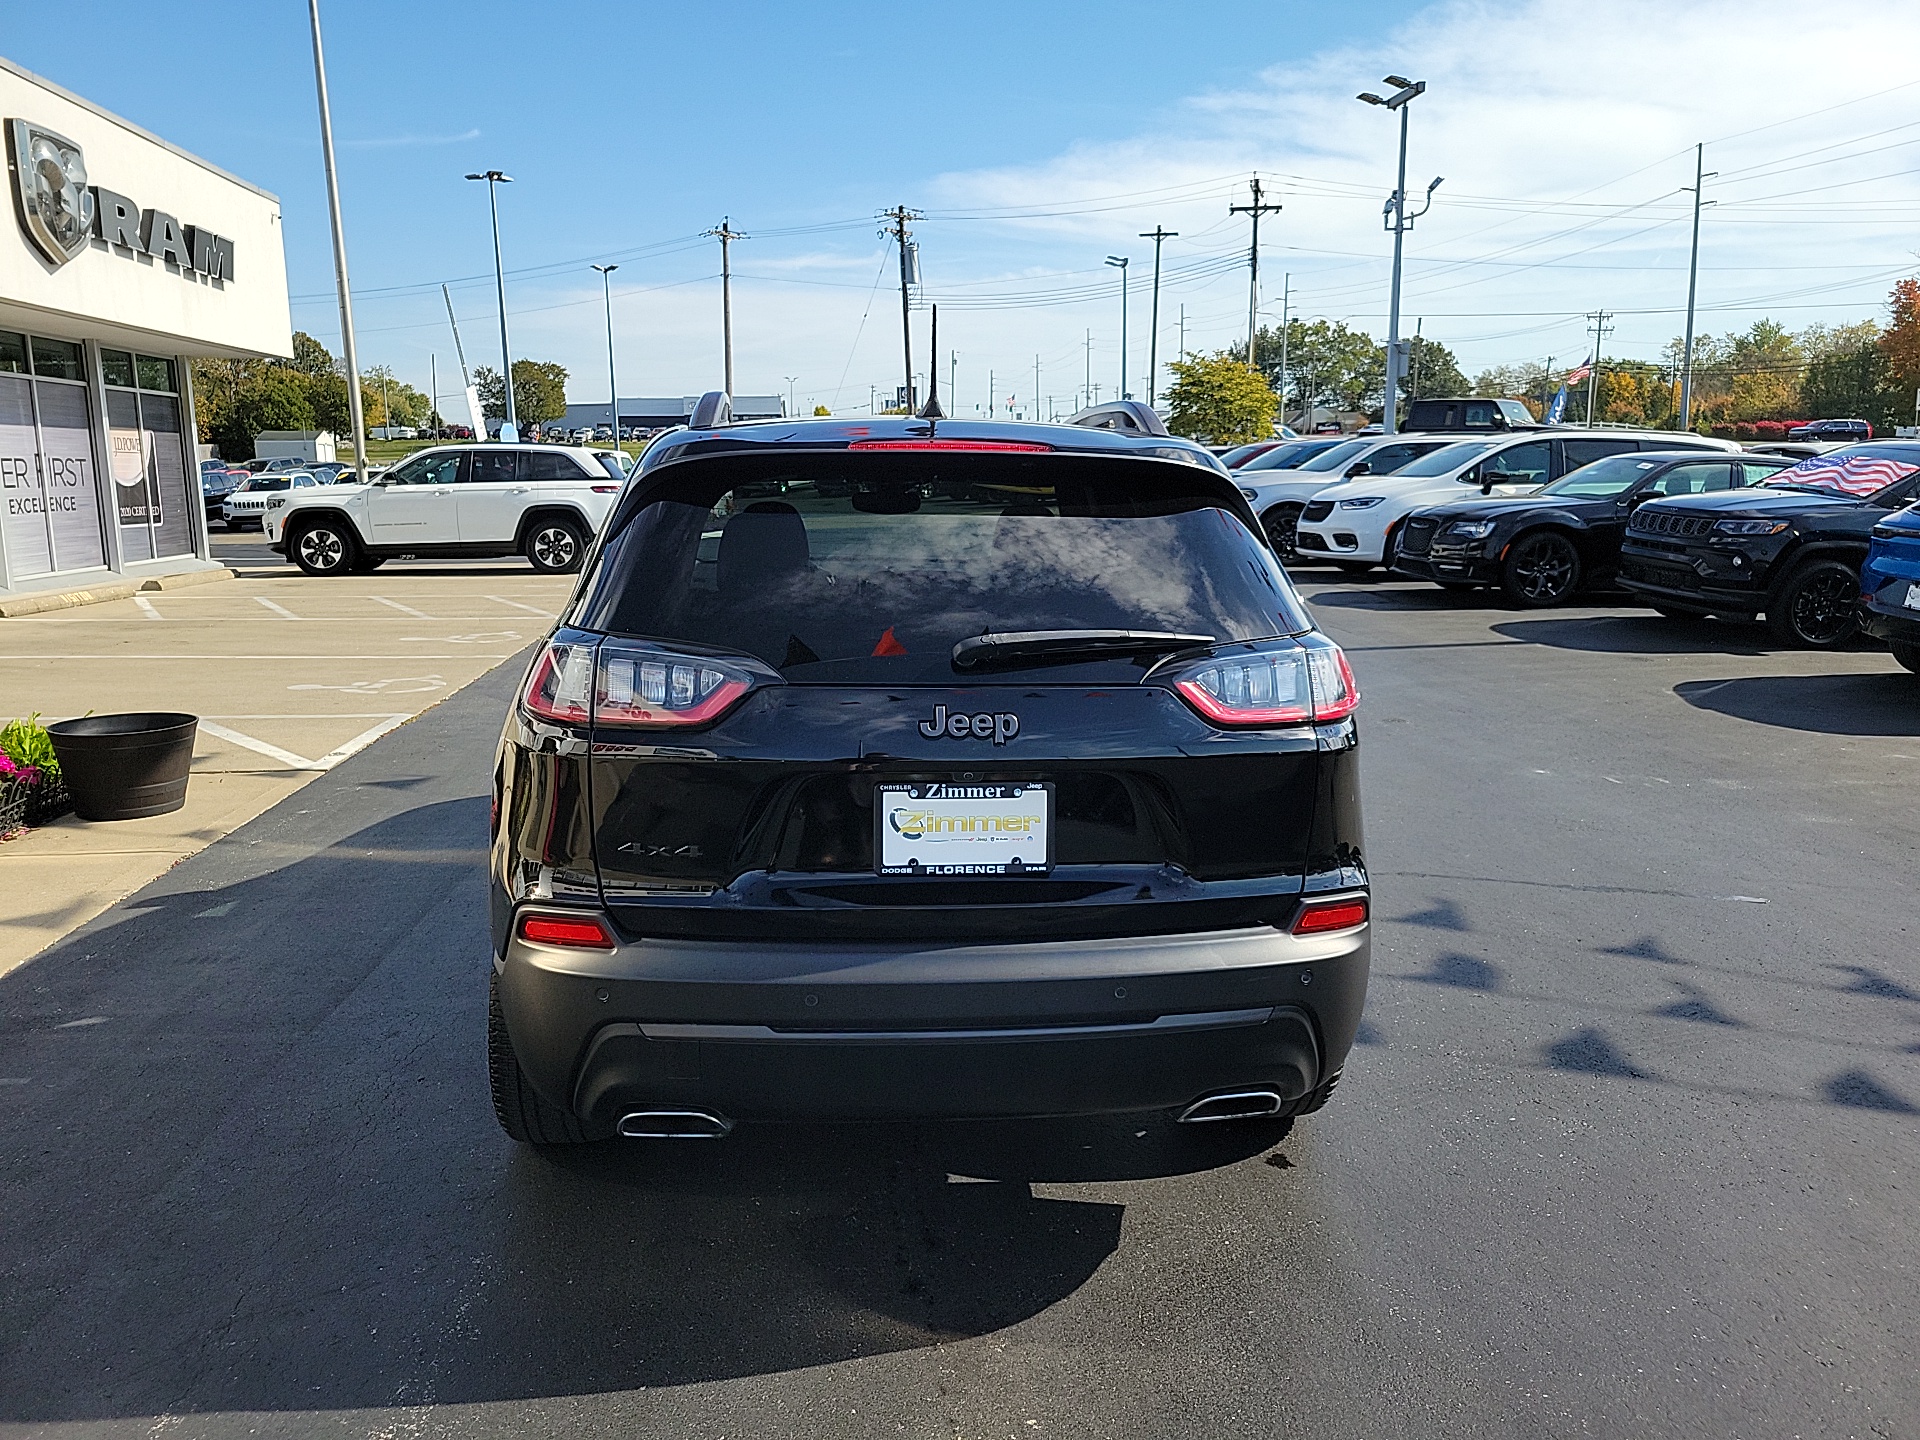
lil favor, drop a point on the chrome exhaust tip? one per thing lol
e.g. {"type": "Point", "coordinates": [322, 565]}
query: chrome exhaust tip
{"type": "Point", "coordinates": [673, 1125]}
{"type": "Point", "coordinates": [1233, 1105]}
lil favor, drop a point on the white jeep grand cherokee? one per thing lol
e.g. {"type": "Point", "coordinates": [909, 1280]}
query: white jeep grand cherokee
{"type": "Point", "coordinates": [541, 501]}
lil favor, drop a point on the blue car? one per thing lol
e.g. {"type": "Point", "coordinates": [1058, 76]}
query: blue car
{"type": "Point", "coordinates": [1890, 586]}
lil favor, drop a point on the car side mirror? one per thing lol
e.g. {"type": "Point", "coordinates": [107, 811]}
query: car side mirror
{"type": "Point", "coordinates": [1486, 478]}
{"type": "Point", "coordinates": [1358, 468]}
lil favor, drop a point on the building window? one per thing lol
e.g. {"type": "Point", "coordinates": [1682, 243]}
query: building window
{"type": "Point", "coordinates": [148, 454]}
{"type": "Point", "coordinates": [49, 488]}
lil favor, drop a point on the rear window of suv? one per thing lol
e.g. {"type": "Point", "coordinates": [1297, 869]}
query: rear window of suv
{"type": "Point", "coordinates": [870, 568]}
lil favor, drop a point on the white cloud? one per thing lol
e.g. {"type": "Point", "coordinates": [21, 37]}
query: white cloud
{"type": "Point", "coordinates": [1564, 130]}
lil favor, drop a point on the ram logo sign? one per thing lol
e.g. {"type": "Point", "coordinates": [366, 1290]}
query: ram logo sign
{"type": "Point", "coordinates": [61, 212]}
{"type": "Point", "coordinates": [50, 187]}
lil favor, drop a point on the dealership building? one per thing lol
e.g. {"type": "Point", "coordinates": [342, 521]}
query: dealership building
{"type": "Point", "coordinates": [126, 258]}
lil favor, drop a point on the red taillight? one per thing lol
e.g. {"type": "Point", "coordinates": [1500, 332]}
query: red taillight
{"type": "Point", "coordinates": [560, 688]}
{"type": "Point", "coordinates": [605, 489]}
{"type": "Point", "coordinates": [1018, 447]}
{"type": "Point", "coordinates": [582, 934]}
{"type": "Point", "coordinates": [1317, 917]}
{"type": "Point", "coordinates": [642, 687]}
{"type": "Point", "coordinates": [1294, 685]}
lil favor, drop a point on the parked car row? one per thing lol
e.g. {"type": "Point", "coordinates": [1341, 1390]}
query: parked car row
{"type": "Point", "coordinates": [1820, 546]}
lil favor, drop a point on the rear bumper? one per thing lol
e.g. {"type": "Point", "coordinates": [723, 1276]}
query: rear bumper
{"type": "Point", "coordinates": [1885, 619]}
{"type": "Point", "coordinates": [779, 1032]}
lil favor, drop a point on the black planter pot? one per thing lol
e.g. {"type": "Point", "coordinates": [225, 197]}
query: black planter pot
{"type": "Point", "coordinates": [125, 767]}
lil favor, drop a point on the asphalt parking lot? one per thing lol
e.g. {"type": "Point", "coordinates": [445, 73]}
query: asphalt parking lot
{"type": "Point", "coordinates": [1628, 1147]}
{"type": "Point", "coordinates": [290, 676]}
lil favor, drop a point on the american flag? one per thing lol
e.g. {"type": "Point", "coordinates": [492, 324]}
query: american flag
{"type": "Point", "coordinates": [1849, 474]}
{"type": "Point", "coordinates": [1574, 377]}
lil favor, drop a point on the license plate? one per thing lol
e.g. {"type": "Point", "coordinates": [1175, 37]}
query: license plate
{"type": "Point", "coordinates": [936, 828]}
{"type": "Point", "coordinates": [1912, 602]}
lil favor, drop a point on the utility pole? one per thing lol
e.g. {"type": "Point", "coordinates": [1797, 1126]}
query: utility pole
{"type": "Point", "coordinates": [990, 400]}
{"type": "Point", "coordinates": [1546, 379]}
{"type": "Point", "coordinates": [433, 382]}
{"type": "Point", "coordinates": [1157, 235]}
{"type": "Point", "coordinates": [354, 415]}
{"type": "Point", "coordinates": [726, 235]}
{"type": "Point", "coordinates": [953, 378]}
{"type": "Point", "coordinates": [1397, 219]}
{"type": "Point", "coordinates": [1700, 176]}
{"type": "Point", "coordinates": [1183, 330]}
{"type": "Point", "coordinates": [896, 228]}
{"type": "Point", "coordinates": [1601, 329]}
{"type": "Point", "coordinates": [1413, 384]}
{"type": "Point", "coordinates": [1089, 367]}
{"type": "Point", "coordinates": [613, 389]}
{"type": "Point", "coordinates": [1258, 208]}
{"type": "Point", "coordinates": [1286, 333]}
{"type": "Point", "coordinates": [1036, 389]}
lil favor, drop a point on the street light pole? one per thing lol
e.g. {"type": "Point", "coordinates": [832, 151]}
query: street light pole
{"type": "Point", "coordinates": [495, 179]}
{"type": "Point", "coordinates": [1157, 235]}
{"type": "Point", "coordinates": [355, 415]}
{"type": "Point", "coordinates": [613, 389]}
{"type": "Point", "coordinates": [790, 379]}
{"type": "Point", "coordinates": [1286, 330]}
{"type": "Point", "coordinates": [1398, 220]}
{"type": "Point", "coordinates": [1121, 262]}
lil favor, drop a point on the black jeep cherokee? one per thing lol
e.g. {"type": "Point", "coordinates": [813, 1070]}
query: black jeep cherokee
{"type": "Point", "coordinates": [1789, 548]}
{"type": "Point", "coordinates": [874, 771]}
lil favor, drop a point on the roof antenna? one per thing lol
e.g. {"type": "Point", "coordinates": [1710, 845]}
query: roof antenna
{"type": "Point", "coordinates": [931, 411]}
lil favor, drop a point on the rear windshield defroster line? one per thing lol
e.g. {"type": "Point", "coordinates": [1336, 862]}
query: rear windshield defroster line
{"type": "Point", "coordinates": [871, 568]}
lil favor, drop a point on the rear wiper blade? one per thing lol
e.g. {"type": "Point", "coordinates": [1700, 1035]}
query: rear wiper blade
{"type": "Point", "coordinates": [1040, 646]}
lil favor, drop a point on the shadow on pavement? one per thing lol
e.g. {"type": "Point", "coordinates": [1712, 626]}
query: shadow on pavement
{"type": "Point", "coordinates": [1402, 595]}
{"type": "Point", "coordinates": [1643, 633]}
{"type": "Point", "coordinates": [1870, 704]}
{"type": "Point", "coordinates": [268, 1179]}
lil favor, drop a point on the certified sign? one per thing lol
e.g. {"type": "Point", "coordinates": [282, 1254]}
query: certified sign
{"type": "Point", "coordinates": [940, 829]}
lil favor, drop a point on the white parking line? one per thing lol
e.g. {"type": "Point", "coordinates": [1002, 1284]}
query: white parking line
{"type": "Point", "coordinates": [403, 609]}
{"type": "Point", "coordinates": [146, 608]}
{"type": "Point", "coordinates": [387, 722]}
{"type": "Point", "coordinates": [278, 609]}
{"type": "Point", "coordinates": [530, 609]}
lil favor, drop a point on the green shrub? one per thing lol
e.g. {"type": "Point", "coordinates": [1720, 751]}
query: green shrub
{"type": "Point", "coordinates": [26, 742]}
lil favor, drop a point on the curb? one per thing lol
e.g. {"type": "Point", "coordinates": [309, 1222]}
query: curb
{"type": "Point", "coordinates": [39, 602]}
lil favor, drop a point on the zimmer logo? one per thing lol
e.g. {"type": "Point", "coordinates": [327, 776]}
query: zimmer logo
{"type": "Point", "coordinates": [50, 187]}
{"type": "Point", "coordinates": [919, 824]}
{"type": "Point", "coordinates": [61, 212]}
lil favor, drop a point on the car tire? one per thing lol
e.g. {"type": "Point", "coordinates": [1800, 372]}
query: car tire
{"type": "Point", "coordinates": [1907, 653]}
{"type": "Point", "coordinates": [555, 547]}
{"type": "Point", "coordinates": [324, 548]}
{"type": "Point", "coordinates": [1282, 524]}
{"type": "Point", "coordinates": [518, 1107]}
{"type": "Point", "coordinates": [1817, 608]}
{"type": "Point", "coordinates": [1541, 570]}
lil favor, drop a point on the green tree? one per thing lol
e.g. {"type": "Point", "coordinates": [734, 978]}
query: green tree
{"type": "Point", "coordinates": [310, 357]}
{"type": "Point", "coordinates": [1851, 385]}
{"type": "Point", "coordinates": [1327, 364]}
{"type": "Point", "coordinates": [539, 391]}
{"type": "Point", "coordinates": [1432, 370]}
{"type": "Point", "coordinates": [1220, 399]}
{"type": "Point", "coordinates": [275, 399]}
{"type": "Point", "coordinates": [821, 410]}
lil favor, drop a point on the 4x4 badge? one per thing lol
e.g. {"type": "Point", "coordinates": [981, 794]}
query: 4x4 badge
{"type": "Point", "coordinates": [998, 726]}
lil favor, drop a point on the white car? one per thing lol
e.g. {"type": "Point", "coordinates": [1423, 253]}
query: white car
{"type": "Point", "coordinates": [541, 501]}
{"type": "Point", "coordinates": [245, 507]}
{"type": "Point", "coordinates": [1356, 526]}
{"type": "Point", "coordinates": [1279, 491]}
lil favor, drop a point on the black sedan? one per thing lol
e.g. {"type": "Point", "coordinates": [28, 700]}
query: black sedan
{"type": "Point", "coordinates": [1790, 550]}
{"type": "Point", "coordinates": [1539, 549]}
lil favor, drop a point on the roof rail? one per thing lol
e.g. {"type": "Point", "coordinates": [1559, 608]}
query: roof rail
{"type": "Point", "coordinates": [1129, 417]}
{"type": "Point", "coordinates": [712, 409]}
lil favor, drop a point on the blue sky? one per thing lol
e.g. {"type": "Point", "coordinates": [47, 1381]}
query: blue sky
{"type": "Point", "coordinates": [1039, 138]}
